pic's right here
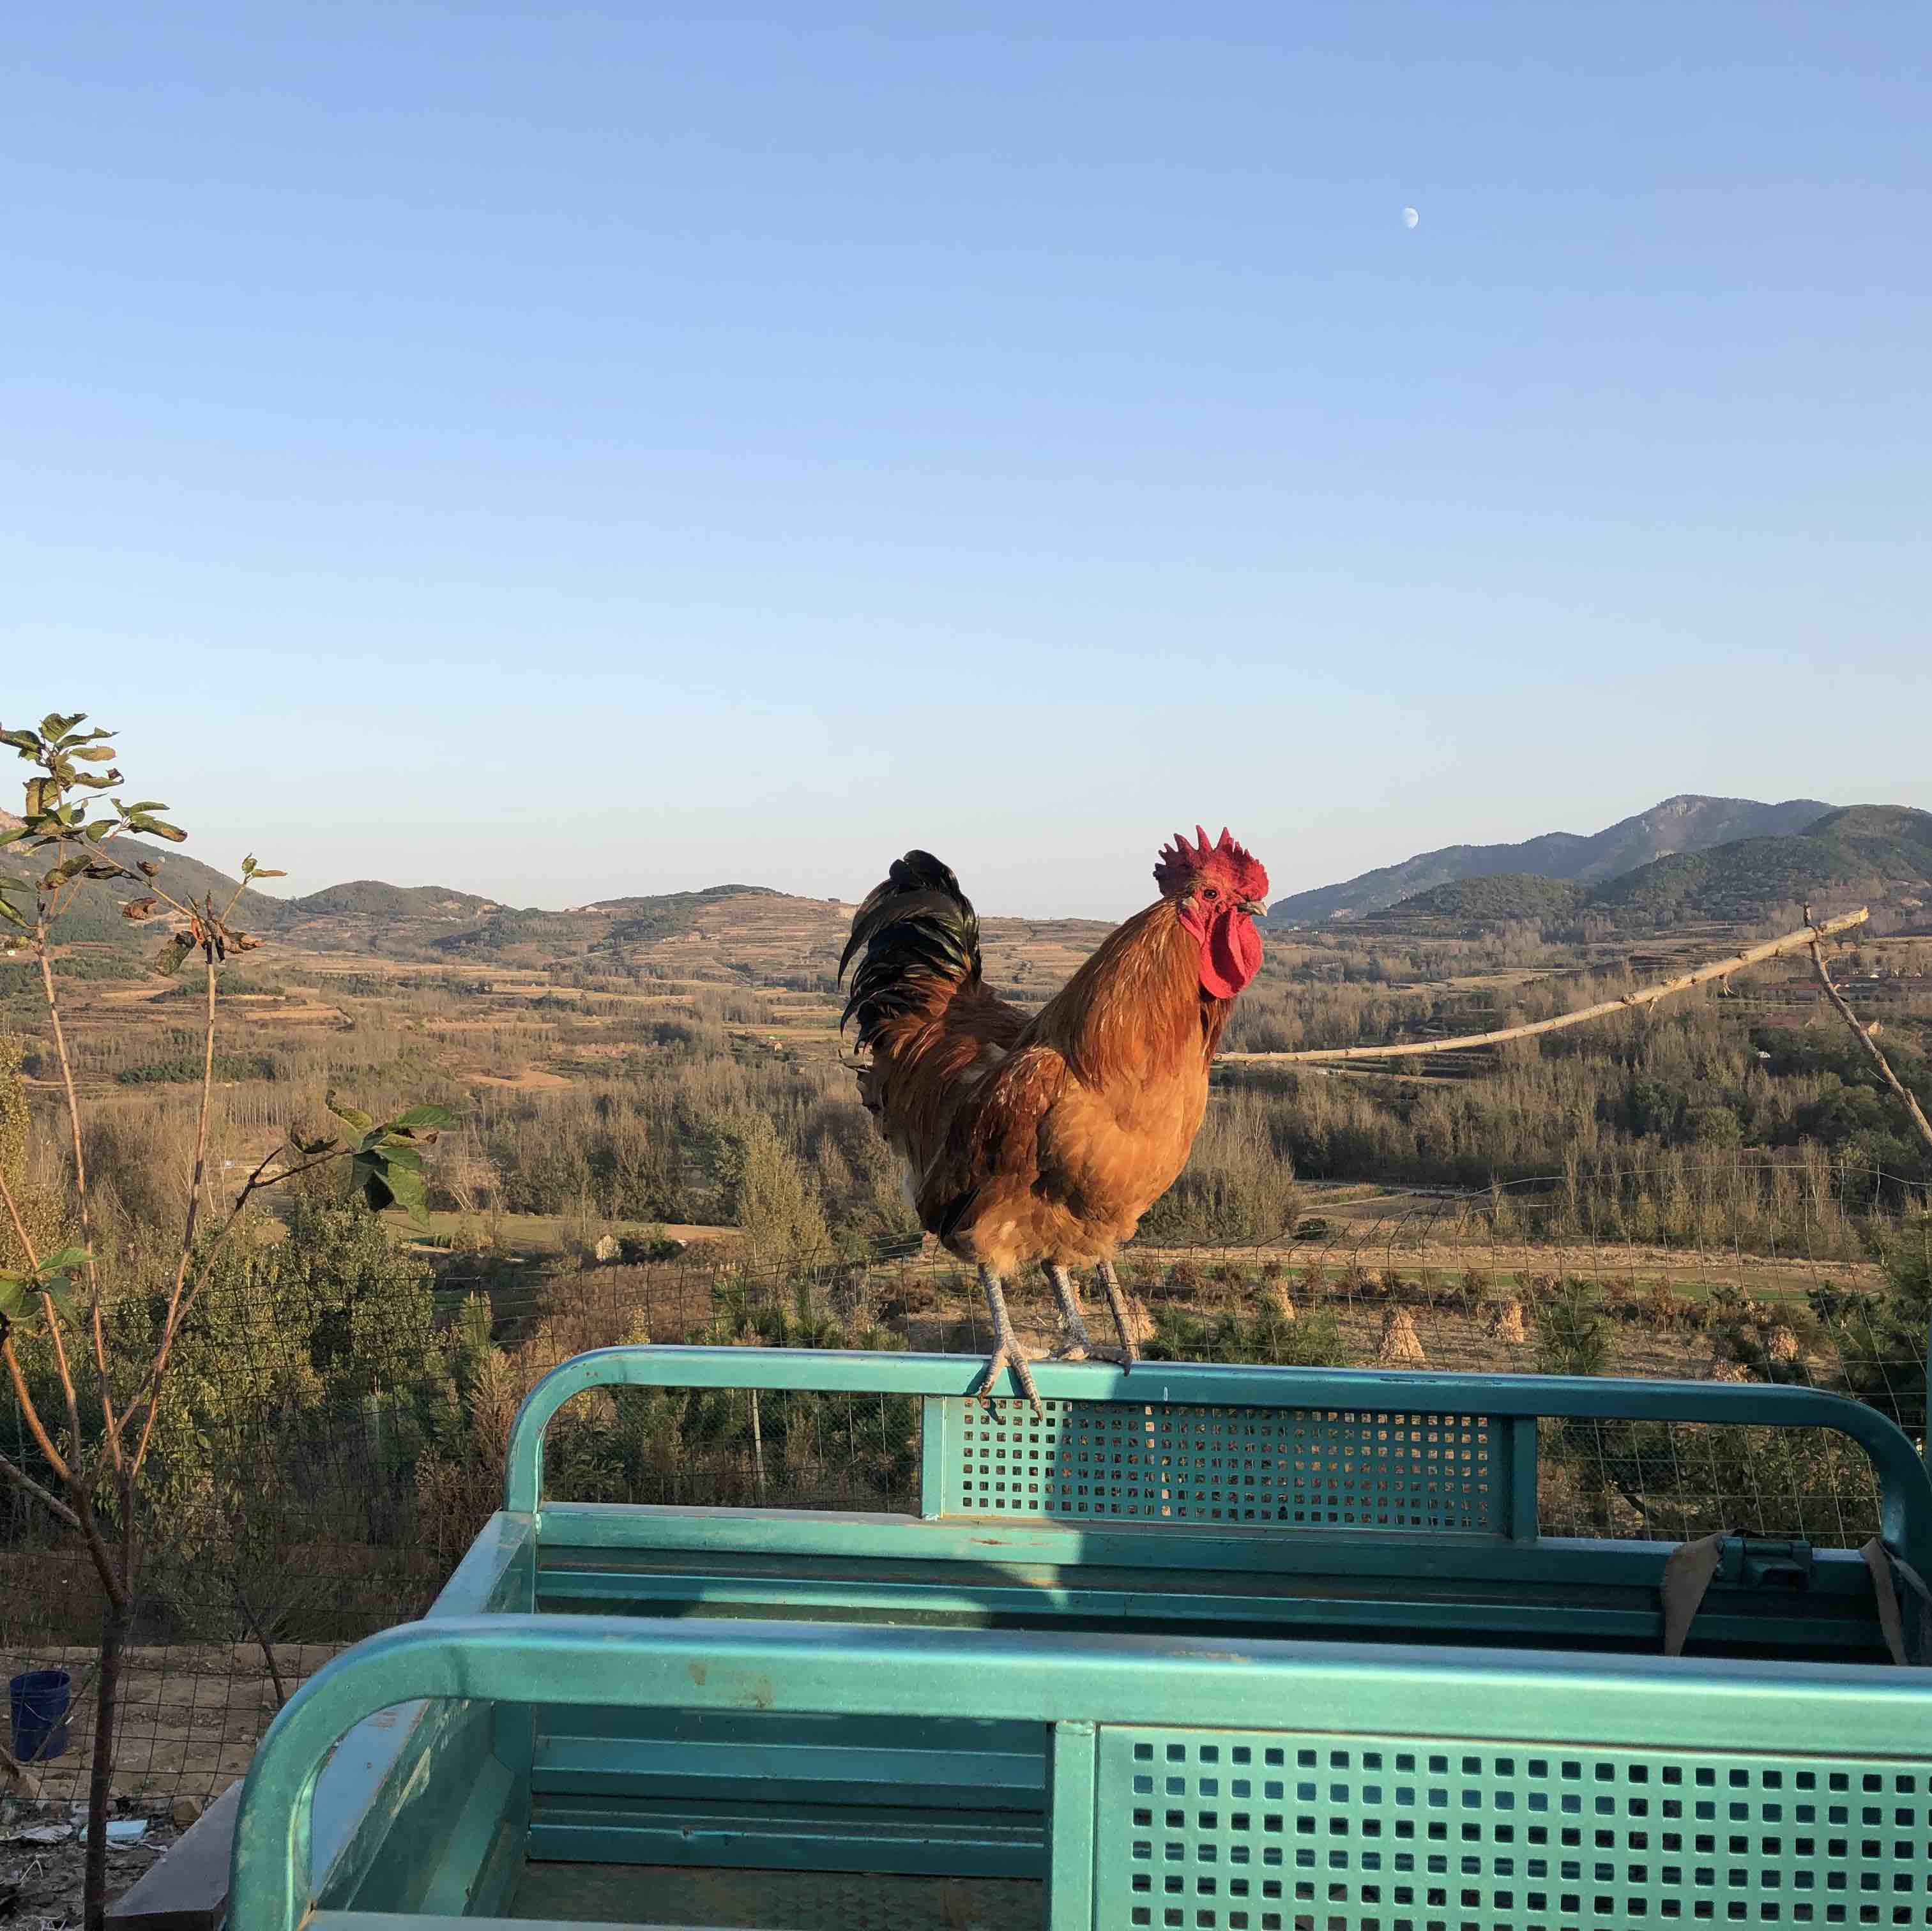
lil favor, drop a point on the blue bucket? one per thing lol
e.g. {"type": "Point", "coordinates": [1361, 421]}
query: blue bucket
{"type": "Point", "coordinates": [39, 1706]}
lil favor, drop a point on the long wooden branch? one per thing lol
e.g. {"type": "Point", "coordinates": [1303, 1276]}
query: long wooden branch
{"type": "Point", "coordinates": [1905, 1096]}
{"type": "Point", "coordinates": [47, 1499]}
{"type": "Point", "coordinates": [1792, 942]}
{"type": "Point", "coordinates": [13, 1771]}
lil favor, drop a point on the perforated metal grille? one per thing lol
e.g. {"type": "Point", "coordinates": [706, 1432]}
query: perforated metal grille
{"type": "Point", "coordinates": [1327, 1468]}
{"type": "Point", "coordinates": [1244, 1831]}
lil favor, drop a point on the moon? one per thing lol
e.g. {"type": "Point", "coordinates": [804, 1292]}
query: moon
{"type": "Point", "coordinates": [1410, 217]}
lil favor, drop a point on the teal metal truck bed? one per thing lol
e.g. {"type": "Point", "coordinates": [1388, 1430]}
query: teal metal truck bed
{"type": "Point", "coordinates": [1200, 1648]}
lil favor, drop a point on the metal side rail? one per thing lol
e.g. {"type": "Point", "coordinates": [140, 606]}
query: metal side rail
{"type": "Point", "coordinates": [1215, 1786]}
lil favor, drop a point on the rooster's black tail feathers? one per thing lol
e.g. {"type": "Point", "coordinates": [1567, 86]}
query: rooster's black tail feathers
{"type": "Point", "coordinates": [917, 941]}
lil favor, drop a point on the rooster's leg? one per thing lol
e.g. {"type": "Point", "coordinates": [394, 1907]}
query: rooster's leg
{"type": "Point", "coordinates": [1079, 1344]}
{"type": "Point", "coordinates": [1118, 1302]}
{"type": "Point", "coordinates": [1006, 1345]}
{"type": "Point", "coordinates": [1075, 1343]}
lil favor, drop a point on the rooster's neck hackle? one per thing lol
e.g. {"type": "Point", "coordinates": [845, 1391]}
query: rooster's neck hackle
{"type": "Point", "coordinates": [1136, 1005]}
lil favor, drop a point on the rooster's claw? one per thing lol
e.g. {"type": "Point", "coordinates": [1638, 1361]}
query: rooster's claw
{"type": "Point", "coordinates": [1007, 1355]}
{"type": "Point", "coordinates": [1094, 1350]}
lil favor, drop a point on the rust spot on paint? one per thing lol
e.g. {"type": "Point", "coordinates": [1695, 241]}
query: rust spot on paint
{"type": "Point", "coordinates": [698, 1673]}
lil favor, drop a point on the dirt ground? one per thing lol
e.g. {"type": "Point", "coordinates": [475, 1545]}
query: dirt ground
{"type": "Point", "coordinates": [190, 1717]}
{"type": "Point", "coordinates": [40, 1882]}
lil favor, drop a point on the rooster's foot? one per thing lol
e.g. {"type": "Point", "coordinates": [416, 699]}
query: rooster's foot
{"type": "Point", "coordinates": [1075, 1343]}
{"type": "Point", "coordinates": [1078, 1345]}
{"type": "Point", "coordinates": [1006, 1347]}
{"type": "Point", "coordinates": [1008, 1355]}
{"type": "Point", "coordinates": [1094, 1350]}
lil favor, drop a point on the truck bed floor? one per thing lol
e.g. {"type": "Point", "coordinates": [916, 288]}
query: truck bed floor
{"type": "Point", "coordinates": [681, 1896]}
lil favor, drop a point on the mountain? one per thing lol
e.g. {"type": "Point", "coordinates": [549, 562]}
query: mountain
{"type": "Point", "coordinates": [1879, 852]}
{"type": "Point", "coordinates": [1689, 823]}
{"type": "Point", "coordinates": [369, 905]}
{"type": "Point", "coordinates": [1496, 898]}
{"type": "Point", "coordinates": [370, 898]}
{"type": "Point", "coordinates": [95, 915]}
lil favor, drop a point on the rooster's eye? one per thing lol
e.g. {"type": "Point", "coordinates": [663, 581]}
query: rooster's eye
{"type": "Point", "coordinates": [1210, 893]}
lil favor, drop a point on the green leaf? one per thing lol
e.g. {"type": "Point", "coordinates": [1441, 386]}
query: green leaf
{"type": "Point", "coordinates": [54, 725]}
{"type": "Point", "coordinates": [153, 827]}
{"type": "Point", "coordinates": [263, 872]}
{"type": "Point", "coordinates": [168, 961]}
{"type": "Point", "coordinates": [420, 1118]}
{"type": "Point", "coordinates": [14, 915]}
{"type": "Point", "coordinates": [7, 837]}
{"type": "Point", "coordinates": [63, 1300]}
{"type": "Point", "coordinates": [65, 1261]}
{"type": "Point", "coordinates": [397, 1154]}
{"type": "Point", "coordinates": [362, 1121]}
{"type": "Point", "coordinates": [409, 1194]}
{"type": "Point", "coordinates": [248, 865]}
{"type": "Point", "coordinates": [94, 753]}
{"type": "Point", "coordinates": [26, 743]}
{"type": "Point", "coordinates": [367, 1174]}
{"type": "Point", "coordinates": [12, 1294]}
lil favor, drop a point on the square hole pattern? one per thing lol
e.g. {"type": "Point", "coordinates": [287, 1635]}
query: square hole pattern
{"type": "Point", "coordinates": [1300, 1467]}
{"type": "Point", "coordinates": [1253, 1830]}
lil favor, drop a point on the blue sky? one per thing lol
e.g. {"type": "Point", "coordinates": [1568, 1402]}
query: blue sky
{"type": "Point", "coordinates": [560, 452]}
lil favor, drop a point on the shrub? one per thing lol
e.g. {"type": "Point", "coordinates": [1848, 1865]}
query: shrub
{"type": "Point", "coordinates": [1571, 1334]}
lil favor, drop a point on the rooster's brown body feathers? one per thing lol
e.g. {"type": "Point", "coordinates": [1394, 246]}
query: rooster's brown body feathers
{"type": "Point", "coordinates": [1028, 1139]}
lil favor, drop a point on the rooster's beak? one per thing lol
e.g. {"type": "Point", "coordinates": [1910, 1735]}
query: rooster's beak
{"type": "Point", "coordinates": [1255, 908]}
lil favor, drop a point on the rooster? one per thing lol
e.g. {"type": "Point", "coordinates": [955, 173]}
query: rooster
{"type": "Point", "coordinates": [1045, 1140]}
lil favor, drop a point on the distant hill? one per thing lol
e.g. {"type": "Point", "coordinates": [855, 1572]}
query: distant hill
{"type": "Point", "coordinates": [1495, 899]}
{"type": "Point", "coordinates": [95, 914]}
{"type": "Point", "coordinates": [370, 898]}
{"type": "Point", "coordinates": [1881, 852]}
{"type": "Point", "coordinates": [1882, 849]}
{"type": "Point", "coordinates": [669, 915]}
{"type": "Point", "coordinates": [1690, 822]}
{"type": "Point", "coordinates": [94, 917]}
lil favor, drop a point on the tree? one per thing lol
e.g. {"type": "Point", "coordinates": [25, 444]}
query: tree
{"type": "Point", "coordinates": [332, 1317]}
{"type": "Point", "coordinates": [773, 1203]}
{"type": "Point", "coordinates": [90, 1370]}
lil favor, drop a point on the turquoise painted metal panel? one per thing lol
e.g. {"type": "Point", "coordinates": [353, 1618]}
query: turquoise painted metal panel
{"type": "Point", "coordinates": [1184, 1498]}
{"type": "Point", "coordinates": [1365, 1467]}
{"type": "Point", "coordinates": [1845, 1721]}
{"type": "Point", "coordinates": [1480, 1405]}
{"type": "Point", "coordinates": [1262, 1830]}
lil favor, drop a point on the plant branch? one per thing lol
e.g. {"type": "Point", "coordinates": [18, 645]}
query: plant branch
{"type": "Point", "coordinates": [146, 1402]}
{"type": "Point", "coordinates": [1898, 1086]}
{"type": "Point", "coordinates": [99, 1334]}
{"type": "Point", "coordinates": [79, 1514]}
{"type": "Point", "coordinates": [1792, 942]}
{"type": "Point", "coordinates": [47, 1499]}
{"type": "Point", "coordinates": [60, 1350]}
{"type": "Point", "coordinates": [12, 1767]}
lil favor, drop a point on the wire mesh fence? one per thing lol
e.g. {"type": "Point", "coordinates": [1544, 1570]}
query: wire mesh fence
{"type": "Point", "coordinates": [339, 1416]}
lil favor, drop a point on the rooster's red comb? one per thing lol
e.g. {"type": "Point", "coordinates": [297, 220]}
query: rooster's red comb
{"type": "Point", "coordinates": [1185, 859]}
